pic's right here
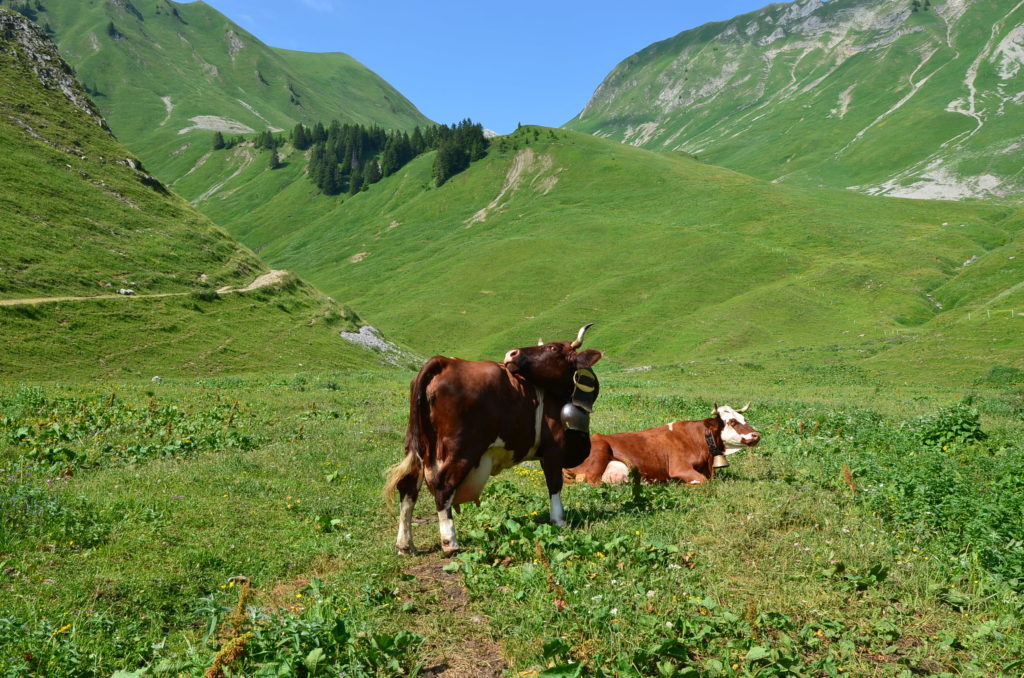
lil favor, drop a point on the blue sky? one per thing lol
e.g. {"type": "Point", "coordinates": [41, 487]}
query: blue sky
{"type": "Point", "coordinates": [498, 63]}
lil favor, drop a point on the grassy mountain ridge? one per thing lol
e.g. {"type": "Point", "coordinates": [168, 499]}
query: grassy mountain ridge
{"type": "Point", "coordinates": [674, 259]}
{"type": "Point", "coordinates": [866, 94]}
{"type": "Point", "coordinates": [166, 74]}
{"type": "Point", "coordinates": [80, 217]}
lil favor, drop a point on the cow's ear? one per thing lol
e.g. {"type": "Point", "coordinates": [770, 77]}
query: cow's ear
{"type": "Point", "coordinates": [587, 358]}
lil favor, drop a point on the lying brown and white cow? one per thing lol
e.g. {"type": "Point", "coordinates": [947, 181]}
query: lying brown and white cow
{"type": "Point", "coordinates": [682, 451]}
{"type": "Point", "coordinates": [469, 420]}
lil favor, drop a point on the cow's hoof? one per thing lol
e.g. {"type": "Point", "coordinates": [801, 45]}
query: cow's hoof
{"type": "Point", "coordinates": [559, 523]}
{"type": "Point", "coordinates": [406, 550]}
{"type": "Point", "coordinates": [449, 549]}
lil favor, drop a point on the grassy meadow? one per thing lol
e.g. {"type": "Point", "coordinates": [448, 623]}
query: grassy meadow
{"type": "Point", "coordinates": [875, 531]}
{"type": "Point", "coordinates": [675, 260]}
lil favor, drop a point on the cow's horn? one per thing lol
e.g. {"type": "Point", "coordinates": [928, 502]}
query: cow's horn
{"type": "Point", "coordinates": [540, 342]}
{"type": "Point", "coordinates": [579, 337]}
{"type": "Point", "coordinates": [744, 408]}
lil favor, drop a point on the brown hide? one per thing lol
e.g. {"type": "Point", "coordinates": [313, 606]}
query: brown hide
{"type": "Point", "coordinates": [458, 409]}
{"type": "Point", "coordinates": [675, 452]}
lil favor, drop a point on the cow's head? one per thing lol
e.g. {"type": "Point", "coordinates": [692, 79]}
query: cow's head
{"type": "Point", "coordinates": [552, 365]}
{"type": "Point", "coordinates": [736, 432]}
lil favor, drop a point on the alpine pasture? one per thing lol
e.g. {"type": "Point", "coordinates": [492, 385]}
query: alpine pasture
{"type": "Point", "coordinates": [191, 477]}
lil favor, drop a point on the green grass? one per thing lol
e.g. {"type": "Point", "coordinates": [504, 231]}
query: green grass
{"type": "Point", "coordinates": [80, 220]}
{"type": "Point", "coordinates": [775, 568]}
{"type": "Point", "coordinates": [673, 259]}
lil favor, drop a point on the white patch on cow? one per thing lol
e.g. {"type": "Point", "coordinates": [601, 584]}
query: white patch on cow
{"type": "Point", "coordinates": [694, 482]}
{"type": "Point", "coordinates": [404, 541]}
{"type": "Point", "coordinates": [494, 460]}
{"type": "Point", "coordinates": [538, 419]}
{"type": "Point", "coordinates": [557, 513]}
{"type": "Point", "coordinates": [727, 413]}
{"type": "Point", "coordinates": [731, 439]}
{"type": "Point", "coordinates": [670, 425]}
{"type": "Point", "coordinates": [615, 473]}
{"type": "Point", "coordinates": [447, 527]}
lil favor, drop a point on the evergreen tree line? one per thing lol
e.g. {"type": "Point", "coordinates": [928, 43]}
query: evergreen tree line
{"type": "Point", "coordinates": [262, 140]}
{"type": "Point", "coordinates": [348, 158]}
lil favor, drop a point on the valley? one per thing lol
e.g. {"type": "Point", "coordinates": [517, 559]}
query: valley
{"type": "Point", "coordinates": [191, 474]}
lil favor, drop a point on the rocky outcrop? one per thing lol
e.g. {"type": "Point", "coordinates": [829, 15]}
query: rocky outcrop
{"type": "Point", "coordinates": [29, 45]}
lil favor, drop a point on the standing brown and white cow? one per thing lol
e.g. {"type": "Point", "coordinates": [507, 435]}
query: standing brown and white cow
{"type": "Point", "coordinates": [682, 451]}
{"type": "Point", "coordinates": [469, 420]}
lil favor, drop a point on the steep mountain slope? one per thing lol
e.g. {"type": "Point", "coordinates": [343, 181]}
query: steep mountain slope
{"type": "Point", "coordinates": [673, 259]}
{"type": "Point", "coordinates": [166, 75]}
{"type": "Point", "coordinates": [79, 217]}
{"type": "Point", "coordinates": [865, 94]}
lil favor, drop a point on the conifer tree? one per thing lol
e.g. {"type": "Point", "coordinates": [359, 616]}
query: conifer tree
{"type": "Point", "coordinates": [301, 138]}
{"type": "Point", "coordinates": [218, 141]}
{"type": "Point", "coordinates": [275, 159]}
{"type": "Point", "coordinates": [355, 180]}
{"type": "Point", "coordinates": [371, 173]}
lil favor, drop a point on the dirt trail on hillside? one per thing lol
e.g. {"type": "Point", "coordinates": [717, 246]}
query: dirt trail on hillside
{"type": "Point", "coordinates": [264, 280]}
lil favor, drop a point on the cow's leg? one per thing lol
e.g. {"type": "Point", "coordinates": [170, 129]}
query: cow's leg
{"type": "Point", "coordinates": [408, 491]}
{"type": "Point", "coordinates": [690, 477]}
{"type": "Point", "coordinates": [553, 478]}
{"type": "Point", "coordinates": [593, 469]}
{"type": "Point", "coordinates": [445, 482]}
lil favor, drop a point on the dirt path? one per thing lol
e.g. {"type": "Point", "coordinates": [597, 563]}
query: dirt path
{"type": "Point", "coordinates": [264, 280]}
{"type": "Point", "coordinates": [458, 644]}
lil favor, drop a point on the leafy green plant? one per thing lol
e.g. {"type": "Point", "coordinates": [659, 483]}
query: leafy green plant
{"type": "Point", "coordinates": [959, 423]}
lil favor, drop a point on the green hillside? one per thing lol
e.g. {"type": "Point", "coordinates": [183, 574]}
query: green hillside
{"type": "Point", "coordinates": [80, 218]}
{"type": "Point", "coordinates": [166, 75]}
{"type": "Point", "coordinates": [673, 259]}
{"type": "Point", "coordinates": [864, 94]}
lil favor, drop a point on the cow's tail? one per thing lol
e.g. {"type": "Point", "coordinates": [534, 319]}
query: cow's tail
{"type": "Point", "coordinates": [407, 467]}
{"type": "Point", "coordinates": [416, 434]}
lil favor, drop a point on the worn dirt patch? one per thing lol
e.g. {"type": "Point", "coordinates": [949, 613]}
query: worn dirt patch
{"type": "Point", "coordinates": [458, 644]}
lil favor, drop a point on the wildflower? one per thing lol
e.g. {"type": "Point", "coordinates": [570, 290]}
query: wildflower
{"type": "Point", "coordinates": [62, 629]}
{"type": "Point", "coordinates": [298, 595]}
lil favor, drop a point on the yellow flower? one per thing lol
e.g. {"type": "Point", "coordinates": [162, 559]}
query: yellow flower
{"type": "Point", "coordinates": [62, 629]}
{"type": "Point", "coordinates": [298, 595]}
